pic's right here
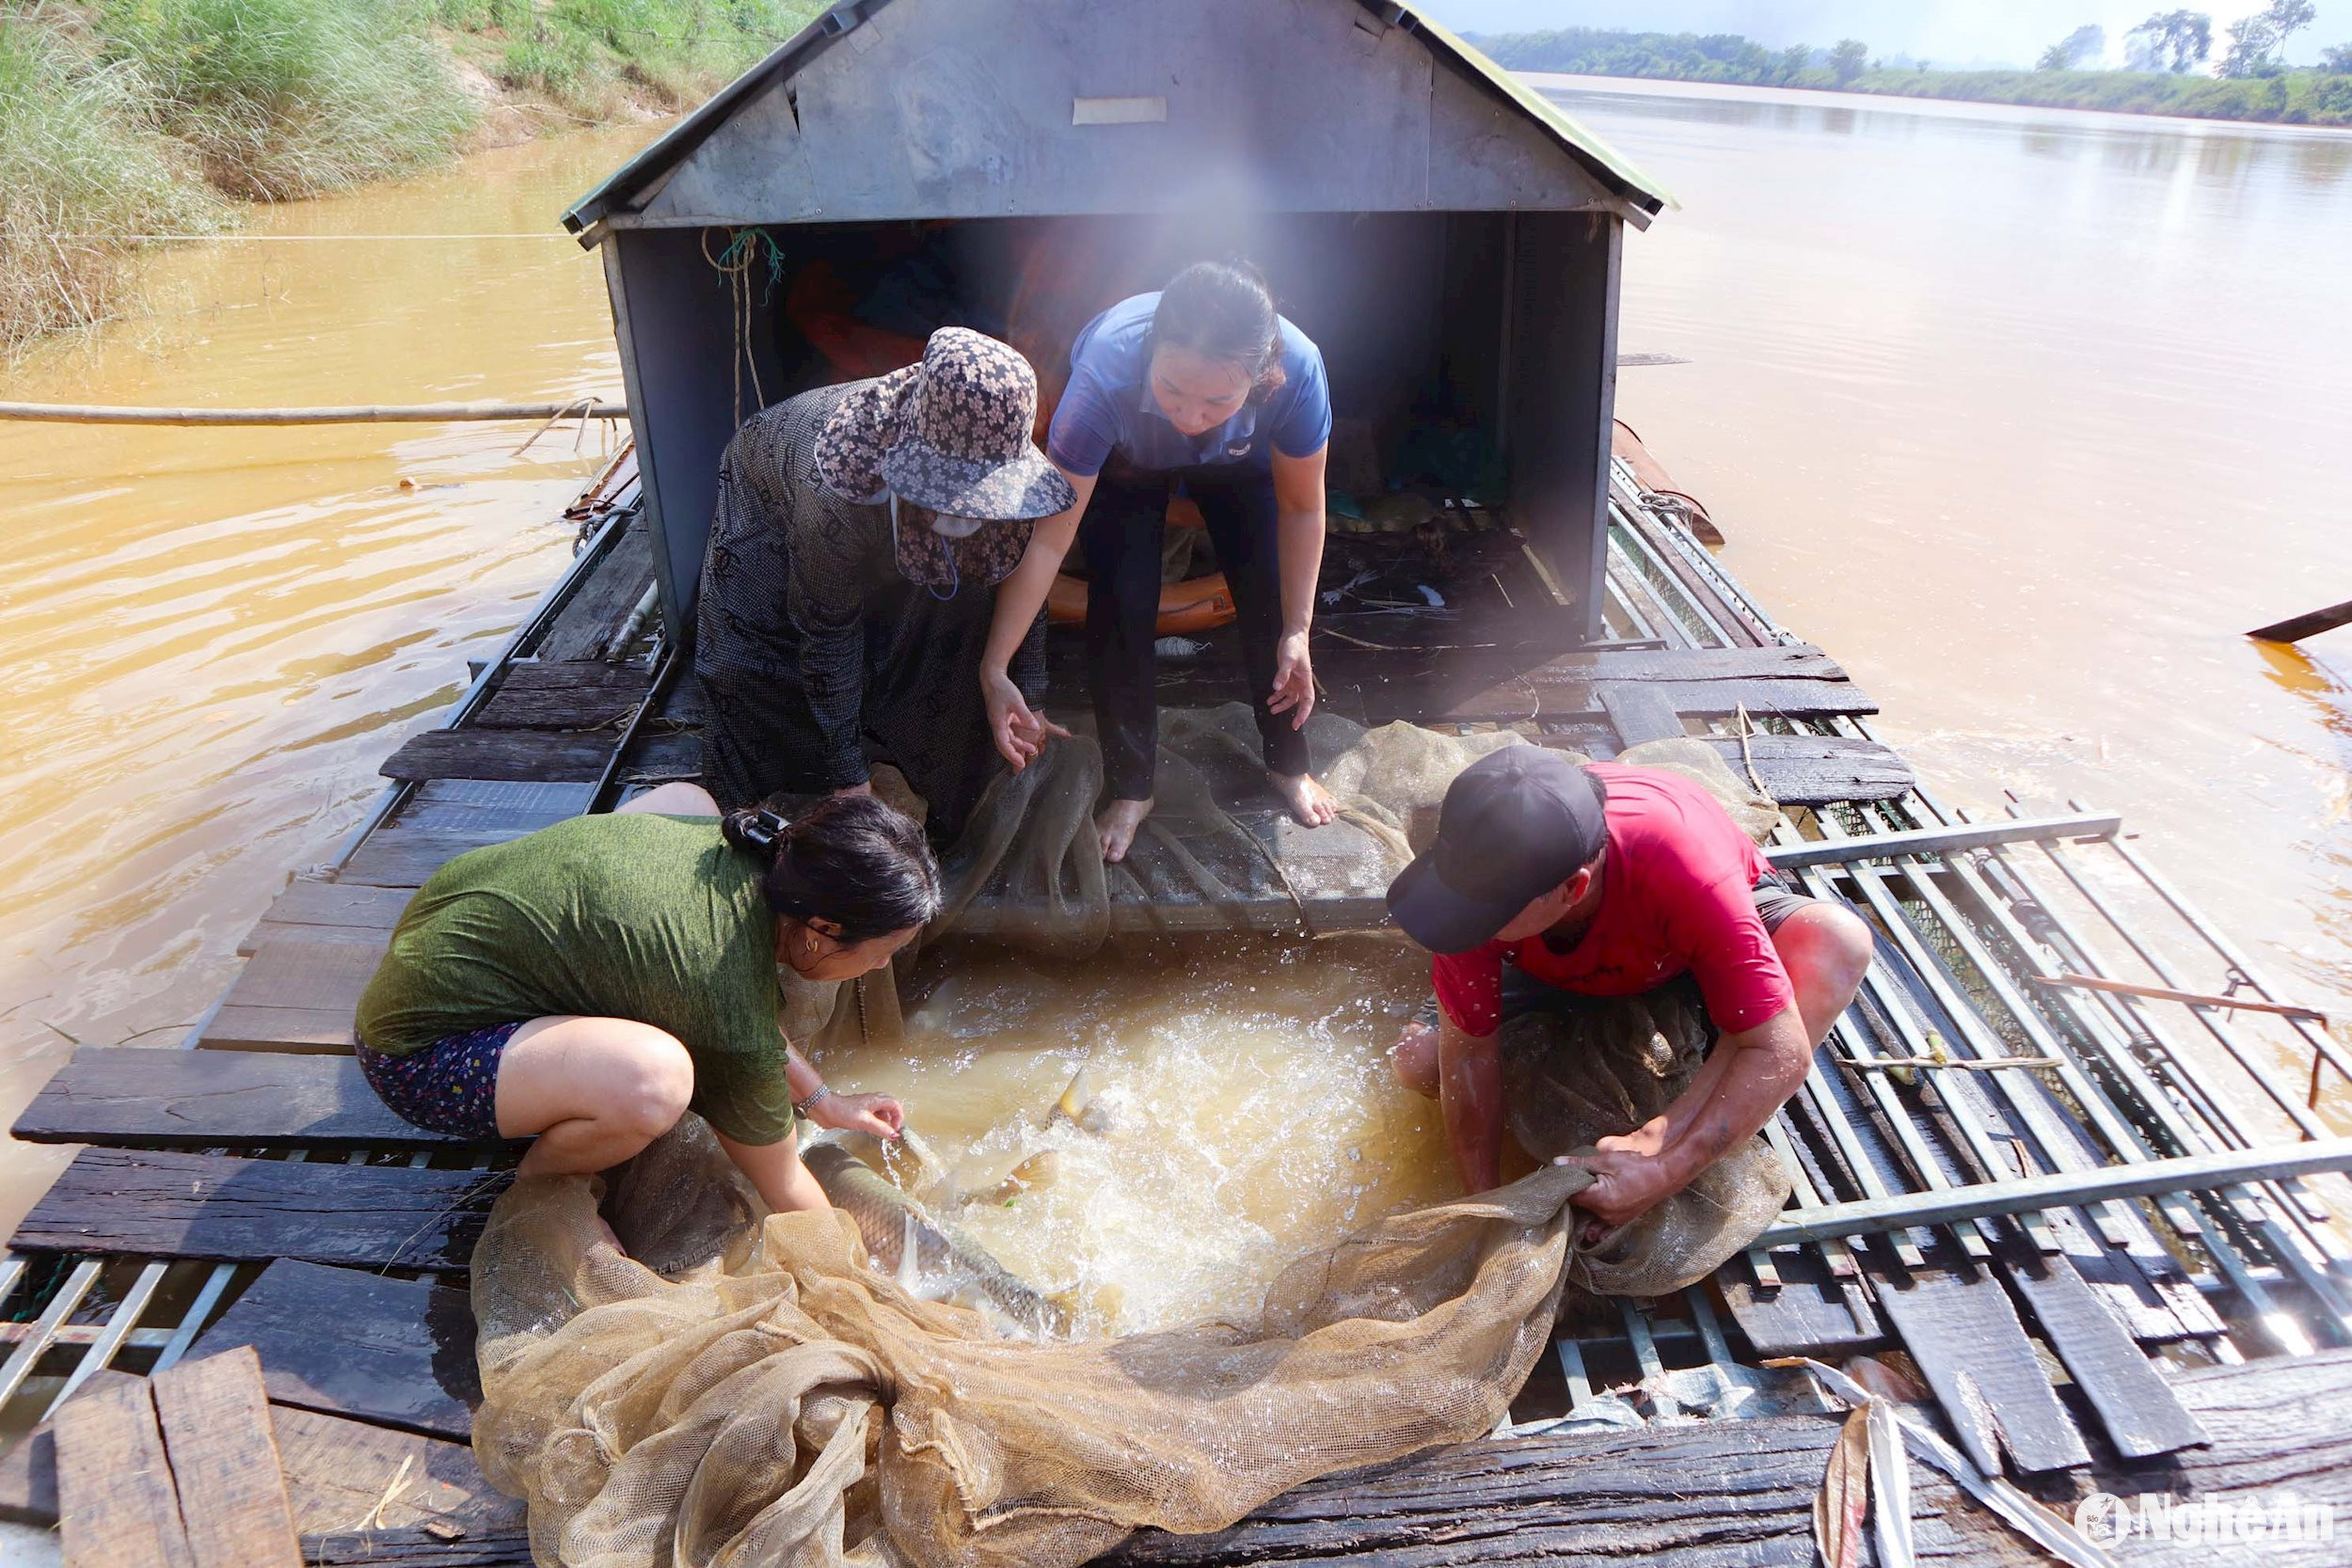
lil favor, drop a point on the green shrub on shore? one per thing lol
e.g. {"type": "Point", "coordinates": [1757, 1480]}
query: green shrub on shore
{"type": "Point", "coordinates": [591, 55]}
{"type": "Point", "coordinates": [286, 98]}
{"type": "Point", "coordinates": [81, 163]}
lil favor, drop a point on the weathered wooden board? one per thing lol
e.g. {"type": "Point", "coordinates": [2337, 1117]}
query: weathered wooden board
{"type": "Point", "coordinates": [397, 1353]}
{"type": "Point", "coordinates": [223, 1460]}
{"type": "Point", "coordinates": [1817, 770]}
{"type": "Point", "coordinates": [1811, 1312]}
{"type": "Point", "coordinates": [1739, 1494]}
{"type": "Point", "coordinates": [294, 995]}
{"type": "Point", "coordinates": [335, 1470]}
{"type": "Point", "coordinates": [129, 1097]}
{"type": "Point", "coordinates": [2142, 1416]}
{"type": "Point", "coordinates": [28, 1471]}
{"type": "Point", "coordinates": [403, 858]}
{"type": "Point", "coordinates": [163, 1204]}
{"type": "Point", "coordinates": [531, 756]}
{"type": "Point", "coordinates": [604, 601]}
{"type": "Point", "coordinates": [1639, 712]}
{"type": "Point", "coordinates": [314, 910]}
{"type": "Point", "coordinates": [307, 1031]}
{"type": "Point", "coordinates": [573, 694]}
{"type": "Point", "coordinates": [1960, 1328]}
{"type": "Point", "coordinates": [501, 1546]}
{"type": "Point", "coordinates": [116, 1503]}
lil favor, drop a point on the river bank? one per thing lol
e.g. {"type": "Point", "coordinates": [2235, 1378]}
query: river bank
{"type": "Point", "coordinates": [122, 122]}
{"type": "Point", "coordinates": [2295, 97]}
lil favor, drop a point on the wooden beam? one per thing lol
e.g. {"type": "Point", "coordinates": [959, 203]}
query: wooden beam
{"type": "Point", "coordinates": [128, 1097]}
{"type": "Point", "coordinates": [162, 1204]}
{"type": "Point", "coordinates": [397, 1353]}
{"type": "Point", "coordinates": [296, 995]}
{"type": "Point", "coordinates": [223, 1460]}
{"type": "Point", "coordinates": [328, 912]}
{"type": "Point", "coordinates": [116, 1501]}
{"type": "Point", "coordinates": [2296, 628]}
{"type": "Point", "coordinates": [567, 694]}
{"type": "Point", "coordinates": [1562, 345]}
{"type": "Point", "coordinates": [533, 757]}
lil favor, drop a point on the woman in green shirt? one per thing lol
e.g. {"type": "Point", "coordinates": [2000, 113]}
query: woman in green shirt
{"type": "Point", "coordinates": [587, 983]}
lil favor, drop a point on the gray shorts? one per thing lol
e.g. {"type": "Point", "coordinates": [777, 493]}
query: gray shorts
{"type": "Point", "coordinates": [1523, 993]}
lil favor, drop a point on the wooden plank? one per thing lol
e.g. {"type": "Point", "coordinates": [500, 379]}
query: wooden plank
{"type": "Point", "coordinates": [302, 973]}
{"type": "Point", "coordinates": [1812, 1311]}
{"type": "Point", "coordinates": [129, 1097]}
{"type": "Point", "coordinates": [223, 1460]}
{"type": "Point", "coordinates": [1639, 713]}
{"type": "Point", "coordinates": [603, 602]}
{"type": "Point", "coordinates": [573, 694]}
{"type": "Point", "coordinates": [301, 1031]}
{"type": "Point", "coordinates": [2143, 1414]}
{"type": "Point", "coordinates": [401, 858]}
{"type": "Point", "coordinates": [337, 1469]}
{"type": "Point", "coordinates": [1817, 770]}
{"type": "Point", "coordinates": [28, 1471]}
{"type": "Point", "coordinates": [1739, 1494]}
{"type": "Point", "coordinates": [1960, 1328]}
{"type": "Point", "coordinates": [163, 1204]}
{"type": "Point", "coordinates": [397, 1353]}
{"type": "Point", "coordinates": [531, 756]}
{"type": "Point", "coordinates": [116, 1503]}
{"type": "Point", "coordinates": [315, 911]}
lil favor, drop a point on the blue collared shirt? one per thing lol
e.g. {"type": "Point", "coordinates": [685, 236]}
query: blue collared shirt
{"type": "Point", "coordinates": [1108, 405]}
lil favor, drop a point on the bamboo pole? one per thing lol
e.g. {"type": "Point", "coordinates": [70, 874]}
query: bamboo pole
{"type": "Point", "coordinates": [409, 412]}
{"type": "Point", "coordinates": [2297, 627]}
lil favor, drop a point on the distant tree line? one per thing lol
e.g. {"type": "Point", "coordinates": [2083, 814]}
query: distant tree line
{"type": "Point", "coordinates": [2250, 80]}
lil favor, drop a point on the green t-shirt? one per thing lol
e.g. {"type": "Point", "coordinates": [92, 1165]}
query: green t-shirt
{"type": "Point", "coordinates": [651, 918]}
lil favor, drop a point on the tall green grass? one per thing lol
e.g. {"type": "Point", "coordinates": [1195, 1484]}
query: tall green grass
{"type": "Point", "coordinates": [286, 98]}
{"type": "Point", "coordinates": [81, 164]}
{"type": "Point", "coordinates": [592, 56]}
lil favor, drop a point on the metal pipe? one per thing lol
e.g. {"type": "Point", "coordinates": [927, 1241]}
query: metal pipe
{"type": "Point", "coordinates": [1936, 841]}
{"type": "Point", "coordinates": [2072, 1189]}
{"type": "Point", "coordinates": [369, 413]}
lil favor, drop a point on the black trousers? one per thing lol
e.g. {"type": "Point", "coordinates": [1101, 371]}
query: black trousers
{"type": "Point", "coordinates": [1121, 538]}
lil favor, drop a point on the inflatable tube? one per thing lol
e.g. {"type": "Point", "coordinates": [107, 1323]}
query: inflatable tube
{"type": "Point", "coordinates": [1193, 606]}
{"type": "Point", "coordinates": [1625, 444]}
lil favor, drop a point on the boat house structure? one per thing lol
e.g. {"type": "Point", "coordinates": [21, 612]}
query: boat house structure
{"type": "Point", "coordinates": [2069, 1167]}
{"type": "Point", "coordinates": [1451, 240]}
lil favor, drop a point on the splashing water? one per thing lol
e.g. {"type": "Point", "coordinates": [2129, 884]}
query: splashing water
{"type": "Point", "coordinates": [1245, 1107]}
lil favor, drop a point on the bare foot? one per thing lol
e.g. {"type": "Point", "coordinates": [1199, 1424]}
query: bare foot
{"type": "Point", "coordinates": [1117, 827]}
{"type": "Point", "coordinates": [1309, 801]}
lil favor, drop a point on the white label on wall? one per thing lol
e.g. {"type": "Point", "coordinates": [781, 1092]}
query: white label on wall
{"type": "Point", "coordinates": [1119, 111]}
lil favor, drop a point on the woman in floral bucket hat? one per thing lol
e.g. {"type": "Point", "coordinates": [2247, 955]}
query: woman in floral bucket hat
{"type": "Point", "coordinates": [851, 579]}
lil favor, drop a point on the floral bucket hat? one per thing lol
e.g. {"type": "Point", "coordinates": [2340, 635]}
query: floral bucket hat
{"type": "Point", "coordinates": [950, 434]}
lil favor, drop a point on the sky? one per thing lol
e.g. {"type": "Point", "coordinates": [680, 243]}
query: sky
{"type": "Point", "coordinates": [1943, 32]}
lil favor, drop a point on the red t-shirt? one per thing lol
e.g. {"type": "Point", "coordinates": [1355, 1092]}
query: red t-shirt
{"type": "Point", "coordinates": [1676, 896]}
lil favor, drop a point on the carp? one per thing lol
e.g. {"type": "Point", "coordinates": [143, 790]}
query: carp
{"type": "Point", "coordinates": [923, 1252]}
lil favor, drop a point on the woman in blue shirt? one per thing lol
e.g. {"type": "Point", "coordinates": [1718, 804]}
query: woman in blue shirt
{"type": "Point", "coordinates": [1206, 384]}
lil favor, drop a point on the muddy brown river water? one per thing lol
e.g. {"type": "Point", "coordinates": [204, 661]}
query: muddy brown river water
{"type": "Point", "coordinates": [2022, 415]}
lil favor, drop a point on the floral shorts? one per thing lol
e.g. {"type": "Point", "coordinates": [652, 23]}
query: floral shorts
{"type": "Point", "coordinates": [450, 1087]}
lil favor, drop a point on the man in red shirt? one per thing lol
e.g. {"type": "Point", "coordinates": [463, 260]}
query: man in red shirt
{"type": "Point", "coordinates": [1549, 882]}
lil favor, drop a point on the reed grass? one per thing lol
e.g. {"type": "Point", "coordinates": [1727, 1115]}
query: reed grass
{"type": "Point", "coordinates": [290, 98]}
{"type": "Point", "coordinates": [82, 162]}
{"type": "Point", "coordinates": [596, 56]}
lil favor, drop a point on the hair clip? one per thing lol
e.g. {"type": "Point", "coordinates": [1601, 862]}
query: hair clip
{"type": "Point", "coordinates": [762, 829]}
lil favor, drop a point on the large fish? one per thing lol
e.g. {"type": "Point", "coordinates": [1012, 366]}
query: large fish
{"type": "Point", "coordinates": [917, 1248]}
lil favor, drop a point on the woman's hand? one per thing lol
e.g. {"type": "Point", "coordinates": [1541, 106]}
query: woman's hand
{"type": "Point", "coordinates": [1020, 731]}
{"type": "Point", "coordinates": [1294, 679]}
{"type": "Point", "coordinates": [877, 1114]}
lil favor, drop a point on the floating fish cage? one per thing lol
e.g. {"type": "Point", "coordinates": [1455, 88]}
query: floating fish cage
{"type": "Point", "coordinates": [2066, 1153]}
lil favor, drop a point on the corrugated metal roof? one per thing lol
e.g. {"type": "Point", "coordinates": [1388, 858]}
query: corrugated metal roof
{"type": "Point", "coordinates": [646, 170]}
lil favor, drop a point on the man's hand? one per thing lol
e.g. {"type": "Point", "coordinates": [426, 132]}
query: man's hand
{"type": "Point", "coordinates": [1019, 730]}
{"type": "Point", "coordinates": [1633, 1173]}
{"type": "Point", "coordinates": [1294, 679]}
{"type": "Point", "coordinates": [877, 1114]}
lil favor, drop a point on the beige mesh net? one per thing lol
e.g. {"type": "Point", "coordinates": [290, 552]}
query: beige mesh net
{"type": "Point", "coordinates": [739, 1389]}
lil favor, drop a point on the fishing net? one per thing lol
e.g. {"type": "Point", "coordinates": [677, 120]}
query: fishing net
{"type": "Point", "coordinates": [786, 1404]}
{"type": "Point", "coordinates": [1216, 854]}
{"type": "Point", "coordinates": [727, 1388]}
